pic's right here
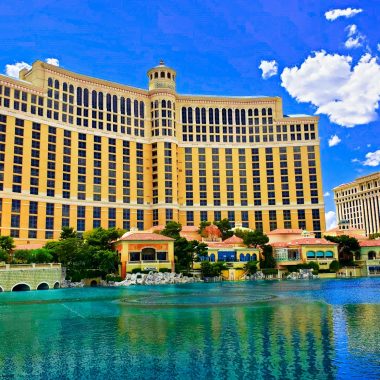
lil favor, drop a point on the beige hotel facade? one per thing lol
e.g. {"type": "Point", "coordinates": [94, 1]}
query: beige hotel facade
{"type": "Point", "coordinates": [358, 203]}
{"type": "Point", "coordinates": [84, 152]}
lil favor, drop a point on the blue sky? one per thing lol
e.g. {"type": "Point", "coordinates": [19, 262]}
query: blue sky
{"type": "Point", "coordinates": [325, 64]}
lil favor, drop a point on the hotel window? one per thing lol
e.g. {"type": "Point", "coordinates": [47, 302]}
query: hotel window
{"type": "Point", "coordinates": [140, 219]}
{"type": "Point", "coordinates": [111, 217]}
{"type": "Point", "coordinates": [231, 218]}
{"type": "Point", "coordinates": [3, 121]}
{"type": "Point", "coordinates": [204, 216]}
{"type": "Point", "coordinates": [126, 219]}
{"type": "Point", "coordinates": [190, 218]}
{"type": "Point", "coordinates": [81, 221]}
{"type": "Point", "coordinates": [140, 172]}
{"type": "Point", "coordinates": [217, 216]}
{"type": "Point", "coordinates": [301, 219]}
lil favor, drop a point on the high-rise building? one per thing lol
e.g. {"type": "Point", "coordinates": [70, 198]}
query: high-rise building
{"type": "Point", "coordinates": [358, 203]}
{"type": "Point", "coordinates": [84, 152]}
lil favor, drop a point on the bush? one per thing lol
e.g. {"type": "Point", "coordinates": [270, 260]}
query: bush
{"type": "Point", "coordinates": [165, 270]}
{"type": "Point", "coordinates": [113, 278]}
{"type": "Point", "coordinates": [4, 256]}
{"type": "Point", "coordinates": [334, 266]}
{"type": "Point", "coordinates": [80, 274]}
{"type": "Point", "coordinates": [23, 256]}
{"type": "Point", "coordinates": [268, 271]}
{"type": "Point", "coordinates": [251, 267]}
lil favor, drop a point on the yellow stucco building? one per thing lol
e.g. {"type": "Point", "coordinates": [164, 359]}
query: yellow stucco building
{"type": "Point", "coordinates": [84, 152]}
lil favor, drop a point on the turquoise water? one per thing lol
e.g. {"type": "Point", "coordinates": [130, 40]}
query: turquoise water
{"type": "Point", "coordinates": [321, 329]}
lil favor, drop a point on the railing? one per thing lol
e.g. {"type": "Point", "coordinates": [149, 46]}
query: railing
{"type": "Point", "coordinates": [148, 261]}
{"type": "Point", "coordinates": [30, 266]}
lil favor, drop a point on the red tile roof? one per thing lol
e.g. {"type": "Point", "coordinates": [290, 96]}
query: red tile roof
{"type": "Point", "coordinates": [144, 236]}
{"type": "Point", "coordinates": [233, 240]}
{"type": "Point", "coordinates": [369, 243]}
{"type": "Point", "coordinates": [311, 241]}
{"type": "Point", "coordinates": [29, 246]}
{"type": "Point", "coordinates": [284, 231]}
{"type": "Point", "coordinates": [279, 244]}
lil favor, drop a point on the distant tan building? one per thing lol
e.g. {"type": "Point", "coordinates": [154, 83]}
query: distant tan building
{"type": "Point", "coordinates": [287, 234]}
{"type": "Point", "coordinates": [358, 203]}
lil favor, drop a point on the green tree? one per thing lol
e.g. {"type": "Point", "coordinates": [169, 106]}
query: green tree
{"type": "Point", "coordinates": [202, 226]}
{"type": "Point", "coordinates": [4, 256]}
{"type": "Point", "coordinates": [334, 266]}
{"type": "Point", "coordinates": [255, 238]}
{"type": "Point", "coordinates": [348, 248]}
{"type": "Point", "coordinates": [172, 229]}
{"type": "Point", "coordinates": [224, 227]}
{"type": "Point", "coordinates": [251, 267]}
{"type": "Point", "coordinates": [68, 233]}
{"type": "Point", "coordinates": [183, 252]}
{"type": "Point", "coordinates": [102, 238]}
{"type": "Point", "coordinates": [23, 256]}
{"type": "Point", "coordinates": [268, 261]}
{"type": "Point", "coordinates": [42, 255]}
{"type": "Point", "coordinates": [212, 269]}
{"type": "Point", "coordinates": [200, 250]}
{"type": "Point", "coordinates": [6, 243]}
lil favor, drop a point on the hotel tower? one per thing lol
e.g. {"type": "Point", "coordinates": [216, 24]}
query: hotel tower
{"type": "Point", "coordinates": [84, 152]}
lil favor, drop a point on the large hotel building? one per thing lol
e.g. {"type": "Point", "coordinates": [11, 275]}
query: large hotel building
{"type": "Point", "coordinates": [84, 152]}
{"type": "Point", "coordinates": [358, 203]}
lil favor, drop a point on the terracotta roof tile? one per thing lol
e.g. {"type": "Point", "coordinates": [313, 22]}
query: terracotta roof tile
{"type": "Point", "coordinates": [285, 231]}
{"type": "Point", "coordinates": [145, 236]}
{"type": "Point", "coordinates": [369, 243]}
{"type": "Point", "coordinates": [233, 240]}
{"type": "Point", "coordinates": [311, 241]}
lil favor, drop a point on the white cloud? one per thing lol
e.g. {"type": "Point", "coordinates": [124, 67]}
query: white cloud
{"type": "Point", "coordinates": [269, 68]}
{"type": "Point", "coordinates": [372, 158]}
{"type": "Point", "coordinates": [52, 61]}
{"type": "Point", "coordinates": [334, 140]}
{"type": "Point", "coordinates": [326, 194]}
{"type": "Point", "coordinates": [368, 145]}
{"type": "Point", "coordinates": [330, 220]}
{"type": "Point", "coordinates": [355, 160]}
{"type": "Point", "coordinates": [333, 14]}
{"type": "Point", "coordinates": [355, 39]}
{"type": "Point", "coordinates": [378, 47]}
{"type": "Point", "coordinates": [13, 70]}
{"type": "Point", "coordinates": [348, 94]}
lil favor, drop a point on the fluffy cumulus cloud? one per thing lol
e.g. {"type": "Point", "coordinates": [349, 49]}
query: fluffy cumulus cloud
{"type": "Point", "coordinates": [333, 14]}
{"type": "Point", "coordinates": [331, 222]}
{"type": "Point", "coordinates": [268, 68]}
{"type": "Point", "coordinates": [12, 70]}
{"type": "Point", "coordinates": [334, 140]}
{"type": "Point", "coordinates": [52, 61]}
{"type": "Point", "coordinates": [355, 39]}
{"type": "Point", "coordinates": [372, 158]}
{"type": "Point", "coordinates": [348, 94]}
{"type": "Point", "coordinates": [326, 194]}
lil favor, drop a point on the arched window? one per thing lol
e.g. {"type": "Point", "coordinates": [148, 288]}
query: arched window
{"type": "Point", "coordinates": [310, 254]}
{"type": "Point", "coordinates": [156, 74]}
{"type": "Point", "coordinates": [50, 82]}
{"type": "Point", "coordinates": [212, 257]}
{"type": "Point", "coordinates": [64, 86]}
{"type": "Point", "coordinates": [242, 258]}
{"type": "Point", "coordinates": [79, 96]}
{"type": "Point", "coordinates": [142, 110]}
{"type": "Point", "coordinates": [71, 89]}
{"type": "Point", "coordinates": [100, 100]}
{"type": "Point", "coordinates": [169, 105]}
{"type": "Point", "coordinates": [371, 255]}
{"type": "Point", "coordinates": [114, 103]}
{"type": "Point", "coordinates": [156, 104]}
{"type": "Point", "coordinates": [224, 116]}
{"type": "Point", "coordinates": [148, 254]}
{"type": "Point", "coordinates": [190, 115]}
{"type": "Point", "coordinates": [264, 112]}
{"type": "Point", "coordinates": [184, 115]}
{"type": "Point", "coordinates": [56, 84]}
{"type": "Point", "coordinates": [122, 105]}
{"type": "Point", "coordinates": [211, 115]}
{"type": "Point", "coordinates": [229, 116]}
{"type": "Point", "coordinates": [169, 75]}
{"type": "Point", "coordinates": [203, 115]}
{"type": "Point", "coordinates": [85, 97]}
{"type": "Point", "coordinates": [197, 116]}
{"type": "Point", "coordinates": [249, 112]}
{"type": "Point", "coordinates": [256, 112]}
{"type": "Point", "coordinates": [320, 254]}
{"type": "Point", "coordinates": [129, 106]}
{"type": "Point", "coordinates": [254, 257]}
{"type": "Point", "coordinates": [162, 74]}
{"type": "Point", "coordinates": [270, 111]}
{"type": "Point", "coordinates": [108, 102]}
{"type": "Point", "coordinates": [243, 122]}
{"type": "Point", "coordinates": [247, 257]}
{"type": "Point", "coordinates": [136, 108]}
{"type": "Point", "coordinates": [163, 103]}
{"type": "Point", "coordinates": [216, 115]}
{"type": "Point", "coordinates": [237, 117]}
{"type": "Point", "coordinates": [329, 255]}
{"type": "Point", "coordinates": [151, 76]}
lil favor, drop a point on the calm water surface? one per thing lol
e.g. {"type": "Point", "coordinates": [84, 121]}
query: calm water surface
{"type": "Point", "coordinates": [320, 329]}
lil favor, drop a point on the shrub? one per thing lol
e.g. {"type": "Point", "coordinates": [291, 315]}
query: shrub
{"type": "Point", "coordinates": [268, 271]}
{"type": "Point", "coordinates": [251, 267]}
{"type": "Point", "coordinates": [4, 256]}
{"type": "Point", "coordinates": [165, 270]}
{"type": "Point", "coordinates": [23, 256]}
{"type": "Point", "coordinates": [113, 278]}
{"type": "Point", "coordinates": [334, 266]}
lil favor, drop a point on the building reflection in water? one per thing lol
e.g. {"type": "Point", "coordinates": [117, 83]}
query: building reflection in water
{"type": "Point", "coordinates": [275, 339]}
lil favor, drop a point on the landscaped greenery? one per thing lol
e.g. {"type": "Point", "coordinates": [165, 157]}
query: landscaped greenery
{"type": "Point", "coordinates": [348, 249]}
{"type": "Point", "coordinates": [212, 269]}
{"type": "Point", "coordinates": [251, 267]}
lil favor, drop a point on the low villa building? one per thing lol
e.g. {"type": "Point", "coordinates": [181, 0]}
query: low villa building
{"type": "Point", "coordinates": [145, 251]}
{"type": "Point", "coordinates": [305, 250]}
{"type": "Point", "coordinates": [369, 257]}
{"type": "Point", "coordinates": [285, 235]}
